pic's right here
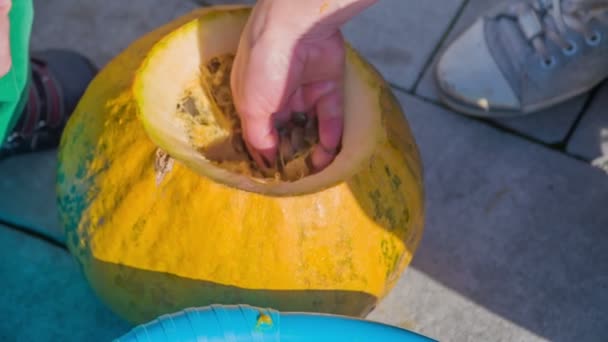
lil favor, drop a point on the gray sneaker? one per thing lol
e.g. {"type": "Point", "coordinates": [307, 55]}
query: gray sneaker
{"type": "Point", "coordinates": [526, 56]}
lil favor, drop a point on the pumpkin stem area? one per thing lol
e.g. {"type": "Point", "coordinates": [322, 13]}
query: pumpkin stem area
{"type": "Point", "coordinates": [214, 128]}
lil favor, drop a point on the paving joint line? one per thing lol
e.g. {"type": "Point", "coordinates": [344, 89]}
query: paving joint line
{"type": "Point", "coordinates": [553, 147]}
{"type": "Point", "coordinates": [28, 231]}
{"type": "Point", "coordinates": [584, 109]}
{"type": "Point", "coordinates": [439, 45]}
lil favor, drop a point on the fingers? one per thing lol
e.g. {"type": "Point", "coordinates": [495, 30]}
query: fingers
{"type": "Point", "coordinates": [5, 48]}
{"type": "Point", "coordinates": [330, 115]}
{"type": "Point", "coordinates": [261, 87]}
{"type": "Point", "coordinates": [325, 93]}
{"type": "Point", "coordinates": [327, 98]}
{"type": "Point", "coordinates": [261, 138]}
{"type": "Point", "coordinates": [305, 99]}
{"type": "Point", "coordinates": [299, 103]}
{"type": "Point", "coordinates": [272, 78]}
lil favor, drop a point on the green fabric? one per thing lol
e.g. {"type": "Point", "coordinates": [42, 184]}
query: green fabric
{"type": "Point", "coordinates": [13, 86]}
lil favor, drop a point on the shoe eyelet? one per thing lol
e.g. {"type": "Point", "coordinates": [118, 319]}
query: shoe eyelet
{"type": "Point", "coordinates": [594, 39]}
{"type": "Point", "coordinates": [571, 49]}
{"type": "Point", "coordinates": [548, 63]}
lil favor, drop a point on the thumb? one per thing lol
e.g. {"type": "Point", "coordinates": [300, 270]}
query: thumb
{"type": "Point", "coordinates": [261, 138]}
{"type": "Point", "coordinates": [261, 86]}
{"type": "Point", "coordinates": [5, 48]}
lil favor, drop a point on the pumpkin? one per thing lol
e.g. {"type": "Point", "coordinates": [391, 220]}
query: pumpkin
{"type": "Point", "coordinates": [160, 218]}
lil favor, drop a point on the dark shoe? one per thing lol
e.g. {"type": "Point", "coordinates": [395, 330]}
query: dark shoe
{"type": "Point", "coordinates": [59, 78]}
{"type": "Point", "coordinates": [525, 56]}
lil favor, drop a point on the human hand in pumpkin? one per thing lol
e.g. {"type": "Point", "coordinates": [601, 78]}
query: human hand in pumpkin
{"type": "Point", "coordinates": [291, 59]}
{"type": "Point", "coordinates": [5, 51]}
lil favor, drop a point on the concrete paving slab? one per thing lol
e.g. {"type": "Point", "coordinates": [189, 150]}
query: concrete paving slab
{"type": "Point", "coordinates": [550, 126]}
{"type": "Point", "coordinates": [44, 296]}
{"type": "Point", "coordinates": [421, 304]}
{"type": "Point", "coordinates": [27, 193]}
{"type": "Point", "coordinates": [397, 36]}
{"type": "Point", "coordinates": [514, 243]}
{"type": "Point", "coordinates": [100, 29]}
{"type": "Point", "coordinates": [509, 253]}
{"type": "Point", "coordinates": [590, 139]}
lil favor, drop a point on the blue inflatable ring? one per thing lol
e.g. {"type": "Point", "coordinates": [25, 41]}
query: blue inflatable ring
{"type": "Point", "coordinates": [246, 323]}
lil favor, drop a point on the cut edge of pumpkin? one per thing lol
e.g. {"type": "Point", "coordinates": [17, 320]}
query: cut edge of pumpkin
{"type": "Point", "coordinates": [174, 64]}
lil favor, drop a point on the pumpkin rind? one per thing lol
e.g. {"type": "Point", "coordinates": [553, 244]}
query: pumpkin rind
{"type": "Point", "coordinates": [150, 246]}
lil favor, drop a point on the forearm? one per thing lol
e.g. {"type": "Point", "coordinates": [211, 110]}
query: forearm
{"type": "Point", "coordinates": [336, 12]}
{"type": "Point", "coordinates": [307, 17]}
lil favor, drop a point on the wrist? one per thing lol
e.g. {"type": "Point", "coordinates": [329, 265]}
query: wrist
{"type": "Point", "coordinates": [310, 18]}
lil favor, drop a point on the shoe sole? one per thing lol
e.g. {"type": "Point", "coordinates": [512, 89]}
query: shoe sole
{"type": "Point", "coordinates": [470, 110]}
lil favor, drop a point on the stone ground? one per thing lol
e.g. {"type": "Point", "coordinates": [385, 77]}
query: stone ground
{"type": "Point", "coordinates": [515, 242]}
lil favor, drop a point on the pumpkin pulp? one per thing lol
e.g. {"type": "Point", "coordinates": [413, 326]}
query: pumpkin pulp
{"type": "Point", "coordinates": [213, 127]}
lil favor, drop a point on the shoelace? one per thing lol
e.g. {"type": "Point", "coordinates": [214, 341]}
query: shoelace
{"type": "Point", "coordinates": [542, 19]}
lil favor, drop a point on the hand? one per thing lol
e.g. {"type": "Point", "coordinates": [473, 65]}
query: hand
{"type": "Point", "coordinates": [285, 65]}
{"type": "Point", "coordinates": [5, 48]}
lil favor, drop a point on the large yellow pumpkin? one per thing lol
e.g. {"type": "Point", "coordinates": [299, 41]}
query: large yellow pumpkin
{"type": "Point", "coordinates": [157, 226]}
